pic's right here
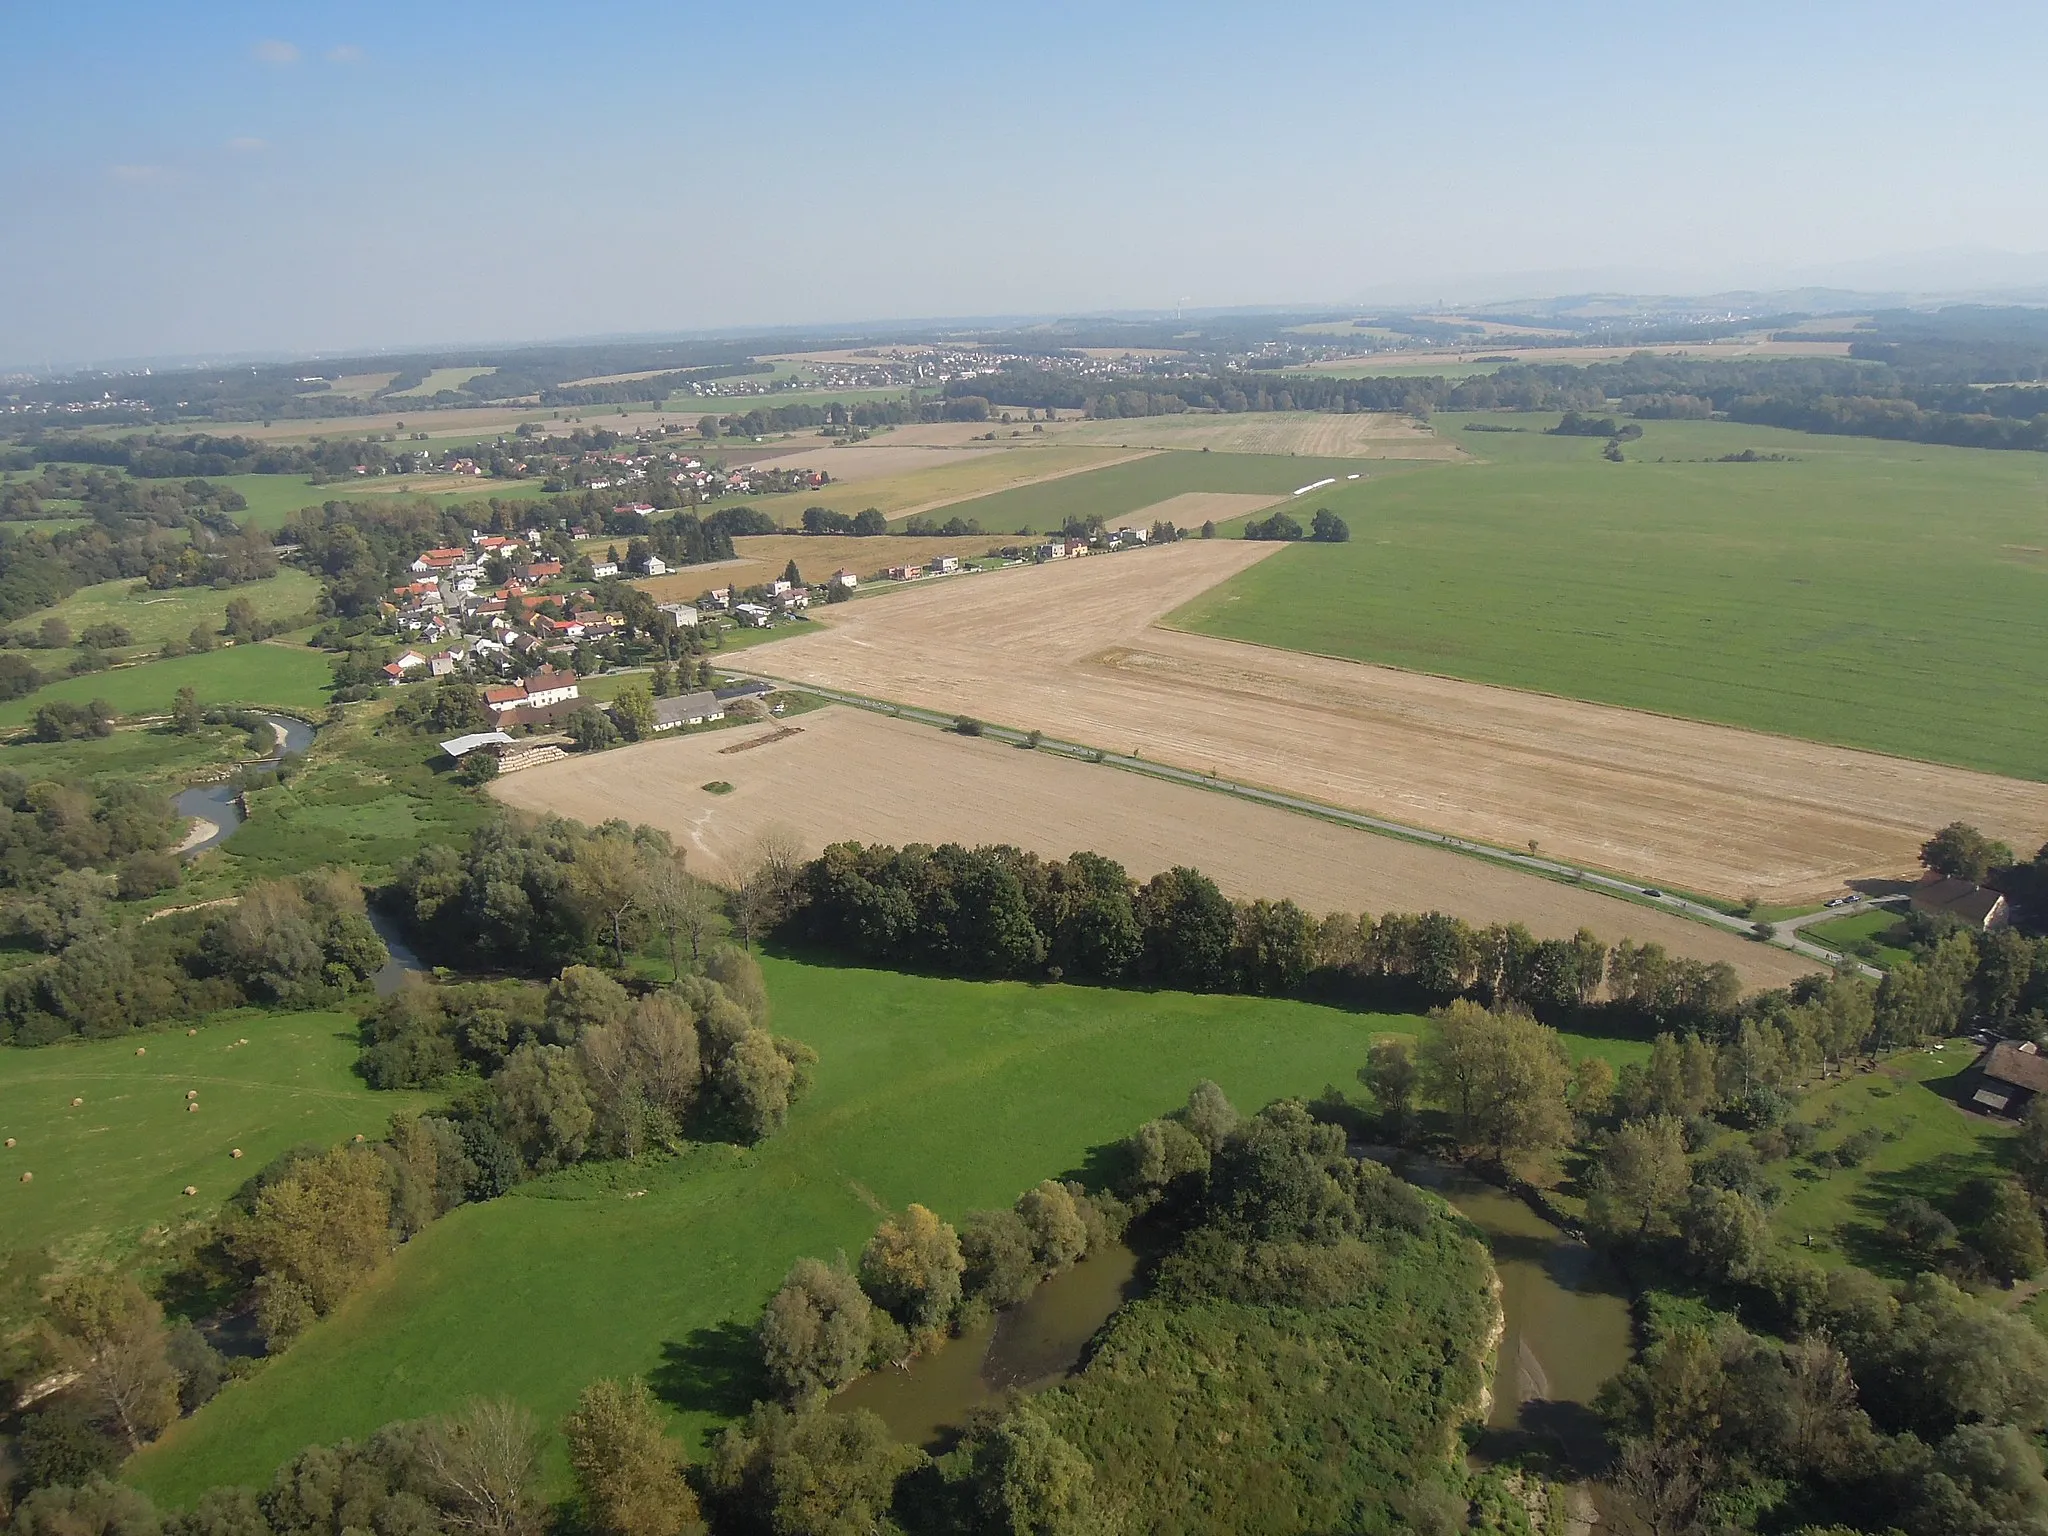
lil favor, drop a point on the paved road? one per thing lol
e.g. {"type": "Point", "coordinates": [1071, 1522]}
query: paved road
{"type": "Point", "coordinates": [1786, 935]}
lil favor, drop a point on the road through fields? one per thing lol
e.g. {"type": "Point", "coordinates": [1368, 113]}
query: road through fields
{"type": "Point", "coordinates": [1072, 648]}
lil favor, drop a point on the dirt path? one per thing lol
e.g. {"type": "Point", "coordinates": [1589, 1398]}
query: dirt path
{"type": "Point", "coordinates": [1071, 648]}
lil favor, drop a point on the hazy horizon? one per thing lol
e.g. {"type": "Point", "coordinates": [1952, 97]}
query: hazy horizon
{"type": "Point", "coordinates": [328, 179]}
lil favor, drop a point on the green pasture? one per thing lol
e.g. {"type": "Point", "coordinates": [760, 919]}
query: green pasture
{"type": "Point", "coordinates": [109, 1175]}
{"type": "Point", "coordinates": [149, 755]}
{"type": "Point", "coordinates": [282, 676]}
{"type": "Point", "coordinates": [274, 498]}
{"type": "Point", "coordinates": [154, 617]}
{"type": "Point", "coordinates": [955, 1094]}
{"type": "Point", "coordinates": [438, 379]}
{"type": "Point", "coordinates": [1848, 933]}
{"type": "Point", "coordinates": [1932, 1149]}
{"type": "Point", "coordinates": [1870, 594]}
{"type": "Point", "coordinates": [1123, 489]}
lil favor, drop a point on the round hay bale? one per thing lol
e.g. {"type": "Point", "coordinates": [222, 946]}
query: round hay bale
{"type": "Point", "coordinates": [28, 1178]}
{"type": "Point", "coordinates": [241, 1042]}
{"type": "Point", "coordinates": [191, 1109]}
{"type": "Point", "coordinates": [236, 1153]}
{"type": "Point", "coordinates": [191, 1189]}
{"type": "Point", "coordinates": [142, 1050]}
{"type": "Point", "coordinates": [191, 1093]}
{"type": "Point", "coordinates": [10, 1143]}
{"type": "Point", "coordinates": [190, 1032]}
{"type": "Point", "coordinates": [359, 1135]}
{"type": "Point", "coordinates": [76, 1102]}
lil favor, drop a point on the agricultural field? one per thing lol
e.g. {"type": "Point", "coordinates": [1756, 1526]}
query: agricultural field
{"type": "Point", "coordinates": [1313, 434]}
{"type": "Point", "coordinates": [153, 617]}
{"type": "Point", "coordinates": [850, 774]}
{"type": "Point", "coordinates": [1071, 648]}
{"type": "Point", "coordinates": [764, 557]}
{"type": "Point", "coordinates": [955, 477]}
{"type": "Point", "coordinates": [149, 755]}
{"type": "Point", "coordinates": [1847, 596]}
{"type": "Point", "coordinates": [265, 674]}
{"type": "Point", "coordinates": [273, 498]}
{"type": "Point", "coordinates": [1127, 492]}
{"type": "Point", "coordinates": [1865, 935]}
{"type": "Point", "coordinates": [439, 379]}
{"type": "Point", "coordinates": [109, 1173]}
{"type": "Point", "coordinates": [1451, 361]}
{"type": "Point", "coordinates": [590, 1282]}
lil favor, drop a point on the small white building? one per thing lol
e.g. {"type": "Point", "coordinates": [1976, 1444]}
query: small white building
{"type": "Point", "coordinates": [754, 614]}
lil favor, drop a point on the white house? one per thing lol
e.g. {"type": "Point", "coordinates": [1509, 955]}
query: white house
{"type": "Point", "coordinates": [681, 615]}
{"type": "Point", "coordinates": [689, 709]}
{"type": "Point", "coordinates": [754, 614]}
{"type": "Point", "coordinates": [604, 568]}
{"type": "Point", "coordinates": [548, 686]}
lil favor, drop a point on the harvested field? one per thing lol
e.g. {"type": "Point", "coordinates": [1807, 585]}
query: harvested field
{"type": "Point", "coordinates": [940, 477]}
{"type": "Point", "coordinates": [1700, 807]}
{"type": "Point", "coordinates": [1191, 509]}
{"type": "Point", "coordinates": [1319, 434]}
{"type": "Point", "coordinates": [1707, 351]}
{"type": "Point", "coordinates": [851, 774]}
{"type": "Point", "coordinates": [762, 558]}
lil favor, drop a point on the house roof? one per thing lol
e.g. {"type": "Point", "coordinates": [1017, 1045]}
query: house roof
{"type": "Point", "coordinates": [466, 744]}
{"type": "Point", "coordinates": [752, 688]}
{"type": "Point", "coordinates": [549, 677]}
{"type": "Point", "coordinates": [504, 695]}
{"type": "Point", "coordinates": [688, 706]}
{"type": "Point", "coordinates": [2008, 1062]}
{"type": "Point", "coordinates": [1957, 898]}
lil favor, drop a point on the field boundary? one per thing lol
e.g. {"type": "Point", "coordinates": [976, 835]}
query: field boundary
{"type": "Point", "coordinates": [1605, 883]}
{"type": "Point", "coordinates": [1045, 479]}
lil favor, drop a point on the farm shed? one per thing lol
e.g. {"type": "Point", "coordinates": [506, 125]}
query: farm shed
{"type": "Point", "coordinates": [2012, 1072]}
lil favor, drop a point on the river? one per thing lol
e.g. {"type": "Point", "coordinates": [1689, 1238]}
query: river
{"type": "Point", "coordinates": [220, 805]}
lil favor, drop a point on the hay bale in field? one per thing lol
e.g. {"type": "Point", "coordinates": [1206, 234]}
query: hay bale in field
{"type": "Point", "coordinates": [191, 1189]}
{"type": "Point", "coordinates": [10, 1143]}
{"type": "Point", "coordinates": [190, 1032]}
{"type": "Point", "coordinates": [28, 1178]}
{"type": "Point", "coordinates": [241, 1042]}
{"type": "Point", "coordinates": [236, 1153]}
{"type": "Point", "coordinates": [142, 1050]}
{"type": "Point", "coordinates": [359, 1135]}
{"type": "Point", "coordinates": [76, 1102]}
{"type": "Point", "coordinates": [191, 1093]}
{"type": "Point", "coordinates": [191, 1109]}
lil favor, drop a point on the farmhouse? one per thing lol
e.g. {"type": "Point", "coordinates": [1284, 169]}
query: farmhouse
{"type": "Point", "coordinates": [904, 572]}
{"type": "Point", "coordinates": [2012, 1072]}
{"type": "Point", "coordinates": [601, 568]}
{"type": "Point", "coordinates": [548, 686]}
{"type": "Point", "coordinates": [680, 615]}
{"type": "Point", "coordinates": [654, 565]}
{"type": "Point", "coordinates": [689, 709]}
{"type": "Point", "coordinates": [1973, 905]}
{"type": "Point", "coordinates": [753, 614]}
{"type": "Point", "coordinates": [845, 578]}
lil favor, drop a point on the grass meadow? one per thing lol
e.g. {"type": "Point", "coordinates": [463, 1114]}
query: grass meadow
{"type": "Point", "coordinates": [1850, 933]}
{"type": "Point", "coordinates": [273, 498]}
{"type": "Point", "coordinates": [282, 676]}
{"type": "Point", "coordinates": [955, 1094]}
{"type": "Point", "coordinates": [154, 617]}
{"type": "Point", "coordinates": [110, 1174]}
{"type": "Point", "coordinates": [1868, 594]}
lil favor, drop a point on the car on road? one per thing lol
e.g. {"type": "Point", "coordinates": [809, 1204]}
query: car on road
{"type": "Point", "coordinates": [1651, 890]}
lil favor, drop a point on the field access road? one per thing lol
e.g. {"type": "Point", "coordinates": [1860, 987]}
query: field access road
{"type": "Point", "coordinates": [1784, 936]}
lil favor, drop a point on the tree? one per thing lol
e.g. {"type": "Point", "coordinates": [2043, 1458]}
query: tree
{"type": "Point", "coordinates": [1919, 1229]}
{"type": "Point", "coordinates": [1593, 1081]}
{"type": "Point", "coordinates": [583, 998]}
{"type": "Point", "coordinates": [1727, 1234]}
{"type": "Point", "coordinates": [1189, 927]}
{"type": "Point", "coordinates": [242, 623]}
{"type": "Point", "coordinates": [1058, 1231]}
{"type": "Point", "coordinates": [664, 680]}
{"type": "Point", "coordinates": [317, 1231]}
{"type": "Point", "coordinates": [1503, 1078]}
{"type": "Point", "coordinates": [483, 1467]}
{"type": "Point", "coordinates": [541, 1106]}
{"type": "Point", "coordinates": [792, 575]}
{"type": "Point", "coordinates": [1161, 1152]}
{"type": "Point", "coordinates": [54, 634]}
{"type": "Point", "coordinates": [809, 1473]}
{"type": "Point", "coordinates": [753, 1083]}
{"type": "Point", "coordinates": [816, 1331]}
{"type": "Point", "coordinates": [591, 730]}
{"type": "Point", "coordinates": [60, 1445]}
{"type": "Point", "coordinates": [996, 1246]}
{"type": "Point", "coordinates": [2008, 1234]}
{"type": "Point", "coordinates": [1959, 850]}
{"type": "Point", "coordinates": [628, 1478]}
{"type": "Point", "coordinates": [96, 1508]}
{"type": "Point", "coordinates": [1328, 528]}
{"type": "Point", "coordinates": [1210, 1115]}
{"type": "Point", "coordinates": [680, 906]}
{"type": "Point", "coordinates": [633, 710]}
{"type": "Point", "coordinates": [185, 716]}
{"type": "Point", "coordinates": [912, 1266]}
{"type": "Point", "coordinates": [611, 877]}
{"type": "Point", "coordinates": [1640, 1178]}
{"type": "Point", "coordinates": [1032, 1482]}
{"type": "Point", "coordinates": [2030, 1152]}
{"type": "Point", "coordinates": [478, 768]}
{"type": "Point", "coordinates": [110, 1332]}
{"type": "Point", "coordinates": [1390, 1073]}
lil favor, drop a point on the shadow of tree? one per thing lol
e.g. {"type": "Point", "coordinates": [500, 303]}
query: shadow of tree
{"type": "Point", "coordinates": [1935, 1180]}
{"type": "Point", "coordinates": [715, 1370]}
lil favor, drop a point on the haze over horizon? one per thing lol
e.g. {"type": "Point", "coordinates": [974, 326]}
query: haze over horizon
{"type": "Point", "coordinates": [324, 178]}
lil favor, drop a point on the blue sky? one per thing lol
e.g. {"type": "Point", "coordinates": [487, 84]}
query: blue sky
{"type": "Point", "coordinates": [229, 177]}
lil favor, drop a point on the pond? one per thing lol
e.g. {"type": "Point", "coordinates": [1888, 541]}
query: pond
{"type": "Point", "coordinates": [219, 806]}
{"type": "Point", "coordinates": [1030, 1346]}
{"type": "Point", "coordinates": [1567, 1315]}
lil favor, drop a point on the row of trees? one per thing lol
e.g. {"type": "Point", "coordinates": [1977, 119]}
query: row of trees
{"type": "Point", "coordinates": [1325, 528]}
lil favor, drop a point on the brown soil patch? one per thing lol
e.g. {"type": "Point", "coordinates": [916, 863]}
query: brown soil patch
{"type": "Point", "coordinates": [860, 776]}
{"type": "Point", "coordinates": [1070, 648]}
{"type": "Point", "coordinates": [763, 557]}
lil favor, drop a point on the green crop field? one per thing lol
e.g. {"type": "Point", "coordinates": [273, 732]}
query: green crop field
{"type": "Point", "coordinates": [439, 379]}
{"type": "Point", "coordinates": [273, 498]}
{"type": "Point", "coordinates": [282, 676]}
{"type": "Point", "coordinates": [956, 1094]}
{"type": "Point", "coordinates": [154, 617]}
{"type": "Point", "coordinates": [1870, 594]}
{"type": "Point", "coordinates": [1122, 489]}
{"type": "Point", "coordinates": [110, 1173]}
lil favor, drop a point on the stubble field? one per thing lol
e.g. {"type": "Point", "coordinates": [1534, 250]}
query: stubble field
{"type": "Point", "coordinates": [1071, 648]}
{"type": "Point", "coordinates": [853, 775]}
{"type": "Point", "coordinates": [1316, 434]}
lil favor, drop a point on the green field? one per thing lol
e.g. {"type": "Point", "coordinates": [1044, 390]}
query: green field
{"type": "Point", "coordinates": [154, 755]}
{"type": "Point", "coordinates": [283, 676]}
{"type": "Point", "coordinates": [1122, 489]}
{"type": "Point", "coordinates": [154, 617]}
{"type": "Point", "coordinates": [1871, 594]}
{"type": "Point", "coordinates": [957, 1094]}
{"type": "Point", "coordinates": [273, 498]}
{"type": "Point", "coordinates": [1845, 933]}
{"type": "Point", "coordinates": [1934, 1148]}
{"type": "Point", "coordinates": [109, 1174]}
{"type": "Point", "coordinates": [438, 379]}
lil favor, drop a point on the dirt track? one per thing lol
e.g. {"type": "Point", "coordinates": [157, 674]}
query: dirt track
{"type": "Point", "coordinates": [1070, 648]}
{"type": "Point", "coordinates": [849, 774]}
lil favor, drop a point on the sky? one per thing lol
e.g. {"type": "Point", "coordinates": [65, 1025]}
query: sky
{"type": "Point", "coordinates": [235, 178]}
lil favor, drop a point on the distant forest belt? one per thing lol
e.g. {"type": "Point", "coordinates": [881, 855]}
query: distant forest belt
{"type": "Point", "coordinates": [857, 776]}
{"type": "Point", "coordinates": [1071, 648]}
